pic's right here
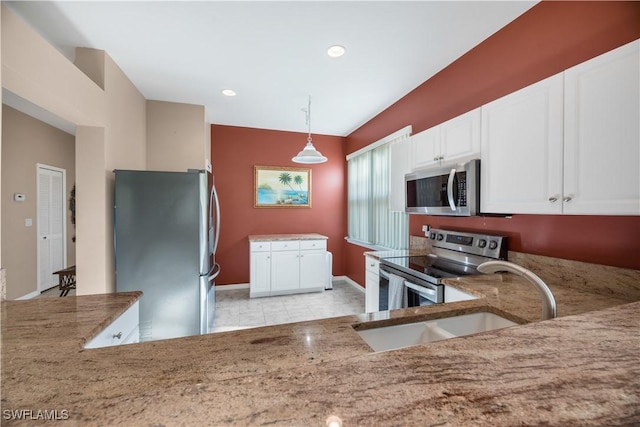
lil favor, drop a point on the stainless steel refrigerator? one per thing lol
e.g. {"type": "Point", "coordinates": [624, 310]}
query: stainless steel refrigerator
{"type": "Point", "coordinates": [166, 233]}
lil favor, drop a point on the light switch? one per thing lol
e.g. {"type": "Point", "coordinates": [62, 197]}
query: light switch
{"type": "Point", "coordinates": [28, 222]}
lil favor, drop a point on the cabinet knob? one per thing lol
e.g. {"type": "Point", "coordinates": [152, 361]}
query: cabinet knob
{"type": "Point", "coordinates": [553, 199]}
{"type": "Point", "coordinates": [118, 335]}
{"type": "Point", "coordinates": [441, 158]}
{"type": "Point", "coordinates": [372, 265]}
{"type": "Point", "coordinates": [568, 198]}
{"type": "Point", "coordinates": [435, 159]}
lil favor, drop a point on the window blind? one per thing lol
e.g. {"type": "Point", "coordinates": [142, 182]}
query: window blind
{"type": "Point", "coordinates": [370, 220]}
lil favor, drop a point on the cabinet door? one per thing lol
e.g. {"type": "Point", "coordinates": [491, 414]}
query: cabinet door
{"type": "Point", "coordinates": [425, 148]}
{"type": "Point", "coordinates": [460, 137]}
{"type": "Point", "coordinates": [123, 330]}
{"type": "Point", "coordinates": [285, 271]}
{"type": "Point", "coordinates": [372, 284]}
{"type": "Point", "coordinates": [260, 274]}
{"type": "Point", "coordinates": [313, 269]}
{"type": "Point", "coordinates": [521, 150]}
{"type": "Point", "coordinates": [400, 165]}
{"type": "Point", "coordinates": [602, 134]}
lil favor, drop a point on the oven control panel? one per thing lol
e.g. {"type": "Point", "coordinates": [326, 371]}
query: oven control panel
{"type": "Point", "coordinates": [472, 243]}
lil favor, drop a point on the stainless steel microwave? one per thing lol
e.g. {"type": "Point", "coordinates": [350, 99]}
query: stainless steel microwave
{"type": "Point", "coordinates": [453, 190]}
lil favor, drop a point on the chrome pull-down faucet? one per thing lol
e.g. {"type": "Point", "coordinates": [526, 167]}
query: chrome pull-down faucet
{"type": "Point", "coordinates": [548, 301]}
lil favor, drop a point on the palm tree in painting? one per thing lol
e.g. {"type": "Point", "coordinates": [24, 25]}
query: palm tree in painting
{"type": "Point", "coordinates": [285, 179]}
{"type": "Point", "coordinates": [298, 180]}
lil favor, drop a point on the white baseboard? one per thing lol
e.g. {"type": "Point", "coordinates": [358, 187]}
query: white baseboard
{"type": "Point", "coordinates": [232, 287]}
{"type": "Point", "coordinates": [335, 279]}
{"type": "Point", "coordinates": [348, 280]}
{"type": "Point", "coordinates": [29, 295]}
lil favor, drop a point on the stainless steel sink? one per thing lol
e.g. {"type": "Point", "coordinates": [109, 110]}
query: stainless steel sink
{"type": "Point", "coordinates": [409, 334]}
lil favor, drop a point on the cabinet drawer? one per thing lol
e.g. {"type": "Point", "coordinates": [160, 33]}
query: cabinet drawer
{"type": "Point", "coordinates": [123, 329]}
{"type": "Point", "coordinates": [260, 246]}
{"type": "Point", "coordinates": [313, 244]}
{"type": "Point", "coordinates": [285, 245]}
{"type": "Point", "coordinates": [372, 265]}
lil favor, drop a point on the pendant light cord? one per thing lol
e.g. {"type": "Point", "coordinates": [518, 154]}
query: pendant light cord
{"type": "Point", "coordinates": [309, 120]}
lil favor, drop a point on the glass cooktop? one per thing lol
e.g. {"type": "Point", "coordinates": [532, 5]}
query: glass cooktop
{"type": "Point", "coordinates": [429, 267]}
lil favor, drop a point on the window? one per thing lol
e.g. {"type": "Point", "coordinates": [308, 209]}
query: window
{"type": "Point", "coordinates": [371, 222]}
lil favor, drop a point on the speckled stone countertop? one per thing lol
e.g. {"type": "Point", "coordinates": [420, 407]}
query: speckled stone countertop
{"type": "Point", "coordinates": [269, 237]}
{"type": "Point", "coordinates": [575, 370]}
{"type": "Point", "coordinates": [395, 253]}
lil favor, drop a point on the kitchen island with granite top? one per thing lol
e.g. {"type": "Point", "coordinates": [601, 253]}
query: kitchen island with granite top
{"type": "Point", "coordinates": [579, 369]}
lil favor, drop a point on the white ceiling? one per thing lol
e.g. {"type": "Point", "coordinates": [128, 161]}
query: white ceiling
{"type": "Point", "coordinates": [273, 54]}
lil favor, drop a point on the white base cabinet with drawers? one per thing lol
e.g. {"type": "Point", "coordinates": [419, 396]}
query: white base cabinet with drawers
{"type": "Point", "coordinates": [282, 267]}
{"type": "Point", "coordinates": [124, 330]}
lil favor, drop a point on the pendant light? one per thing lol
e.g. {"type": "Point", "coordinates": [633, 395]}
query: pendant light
{"type": "Point", "coordinates": [309, 154]}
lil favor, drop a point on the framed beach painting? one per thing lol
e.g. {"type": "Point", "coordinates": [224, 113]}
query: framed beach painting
{"type": "Point", "coordinates": [282, 187]}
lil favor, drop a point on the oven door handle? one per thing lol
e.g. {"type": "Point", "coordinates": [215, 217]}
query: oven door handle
{"type": "Point", "coordinates": [383, 273]}
{"type": "Point", "coordinates": [452, 175]}
{"type": "Point", "coordinates": [421, 290]}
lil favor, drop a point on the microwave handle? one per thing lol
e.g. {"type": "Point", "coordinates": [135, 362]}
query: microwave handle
{"type": "Point", "coordinates": [452, 175]}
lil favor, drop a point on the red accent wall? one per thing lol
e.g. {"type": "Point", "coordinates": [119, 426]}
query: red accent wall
{"type": "Point", "coordinates": [234, 152]}
{"type": "Point", "coordinates": [547, 39]}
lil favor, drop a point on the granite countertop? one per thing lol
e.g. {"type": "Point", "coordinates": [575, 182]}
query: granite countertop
{"type": "Point", "coordinates": [269, 237]}
{"type": "Point", "coordinates": [580, 369]}
{"type": "Point", "coordinates": [395, 253]}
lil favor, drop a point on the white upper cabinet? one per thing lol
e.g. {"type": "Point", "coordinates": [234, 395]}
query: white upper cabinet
{"type": "Point", "coordinates": [602, 134]}
{"type": "Point", "coordinates": [569, 144]}
{"type": "Point", "coordinates": [521, 150]}
{"type": "Point", "coordinates": [400, 165]}
{"type": "Point", "coordinates": [425, 148]}
{"type": "Point", "coordinates": [460, 137]}
{"type": "Point", "coordinates": [457, 139]}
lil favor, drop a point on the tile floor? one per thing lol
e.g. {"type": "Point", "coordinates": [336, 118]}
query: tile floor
{"type": "Point", "coordinates": [235, 310]}
{"type": "Point", "coordinates": [55, 293]}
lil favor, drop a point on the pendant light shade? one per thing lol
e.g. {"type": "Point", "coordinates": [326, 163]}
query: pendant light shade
{"type": "Point", "coordinates": [309, 154]}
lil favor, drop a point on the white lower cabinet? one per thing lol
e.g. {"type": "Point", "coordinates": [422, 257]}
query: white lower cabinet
{"type": "Point", "coordinates": [313, 269]}
{"type": "Point", "coordinates": [452, 294]}
{"type": "Point", "coordinates": [372, 284]}
{"type": "Point", "coordinates": [124, 330]}
{"type": "Point", "coordinates": [260, 269]}
{"type": "Point", "coordinates": [288, 266]}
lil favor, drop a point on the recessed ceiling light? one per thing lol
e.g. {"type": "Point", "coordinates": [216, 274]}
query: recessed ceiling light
{"type": "Point", "coordinates": [228, 92]}
{"type": "Point", "coordinates": [336, 51]}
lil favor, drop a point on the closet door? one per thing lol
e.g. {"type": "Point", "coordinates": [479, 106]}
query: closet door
{"type": "Point", "coordinates": [51, 225]}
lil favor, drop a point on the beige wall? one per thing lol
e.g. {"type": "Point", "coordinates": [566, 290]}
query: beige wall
{"type": "Point", "coordinates": [176, 136]}
{"type": "Point", "coordinates": [124, 148]}
{"type": "Point", "coordinates": [116, 128]}
{"type": "Point", "coordinates": [110, 132]}
{"type": "Point", "coordinates": [26, 142]}
{"type": "Point", "coordinates": [37, 72]}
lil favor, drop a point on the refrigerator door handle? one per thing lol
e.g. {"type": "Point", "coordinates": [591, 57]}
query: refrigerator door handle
{"type": "Point", "coordinates": [213, 273]}
{"type": "Point", "coordinates": [216, 230]}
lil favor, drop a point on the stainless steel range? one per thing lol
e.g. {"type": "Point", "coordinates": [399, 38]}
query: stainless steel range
{"type": "Point", "coordinates": [417, 280]}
